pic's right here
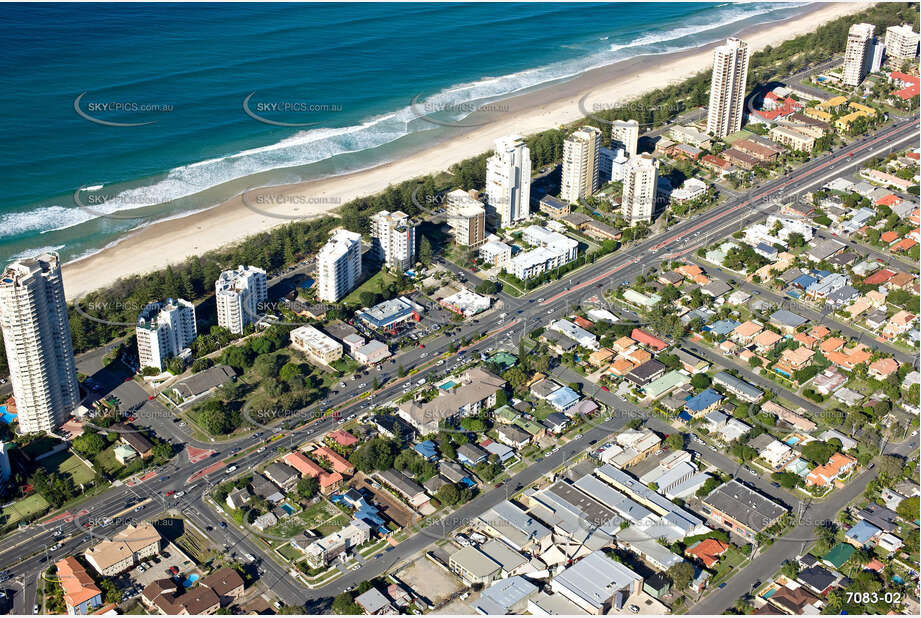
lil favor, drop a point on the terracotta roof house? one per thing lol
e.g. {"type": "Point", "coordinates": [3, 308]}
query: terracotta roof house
{"type": "Point", "coordinates": [766, 340]}
{"type": "Point", "coordinates": [226, 584]}
{"type": "Point", "coordinates": [623, 344]}
{"type": "Point", "coordinates": [838, 465]}
{"type": "Point", "coordinates": [343, 438]}
{"type": "Point", "coordinates": [831, 345]}
{"type": "Point", "coordinates": [648, 340]}
{"type": "Point", "coordinates": [708, 551]}
{"type": "Point", "coordinates": [81, 594]}
{"type": "Point", "coordinates": [848, 358]}
{"type": "Point", "coordinates": [339, 463]}
{"type": "Point", "coordinates": [883, 368]}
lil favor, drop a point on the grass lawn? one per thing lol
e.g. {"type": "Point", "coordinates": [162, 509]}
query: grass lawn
{"type": "Point", "coordinates": [335, 524]}
{"type": "Point", "coordinates": [106, 459]}
{"type": "Point", "coordinates": [738, 135]}
{"type": "Point", "coordinates": [67, 463]}
{"type": "Point", "coordinates": [375, 285]}
{"type": "Point", "coordinates": [15, 512]}
{"type": "Point", "coordinates": [289, 553]}
{"type": "Point", "coordinates": [729, 561]}
{"type": "Point", "coordinates": [318, 513]}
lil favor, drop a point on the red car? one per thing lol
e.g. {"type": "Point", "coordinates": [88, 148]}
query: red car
{"type": "Point", "coordinates": [149, 397]}
{"type": "Point", "coordinates": [605, 389]}
{"type": "Point", "coordinates": [422, 345]}
{"type": "Point", "coordinates": [170, 493]}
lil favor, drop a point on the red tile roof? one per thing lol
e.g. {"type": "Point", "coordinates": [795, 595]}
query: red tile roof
{"type": "Point", "coordinates": [645, 338]}
{"type": "Point", "coordinates": [708, 551]}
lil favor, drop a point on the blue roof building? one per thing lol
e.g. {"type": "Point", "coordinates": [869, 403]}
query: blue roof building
{"type": "Point", "coordinates": [563, 399]}
{"type": "Point", "coordinates": [804, 281]}
{"type": "Point", "coordinates": [703, 402]}
{"type": "Point", "coordinates": [426, 449]}
{"type": "Point", "coordinates": [722, 327]}
{"type": "Point", "coordinates": [861, 533]}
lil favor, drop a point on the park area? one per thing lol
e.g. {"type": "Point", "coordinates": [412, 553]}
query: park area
{"type": "Point", "coordinates": [69, 464]}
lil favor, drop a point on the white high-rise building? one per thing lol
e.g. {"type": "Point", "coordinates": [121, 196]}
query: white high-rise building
{"type": "Point", "coordinates": [164, 330]}
{"type": "Point", "coordinates": [581, 151]}
{"type": "Point", "coordinates": [877, 55]}
{"type": "Point", "coordinates": [857, 54]}
{"type": "Point", "coordinates": [727, 88]}
{"type": "Point", "coordinates": [39, 352]}
{"type": "Point", "coordinates": [611, 164]}
{"type": "Point", "coordinates": [901, 42]}
{"type": "Point", "coordinates": [639, 194]}
{"type": "Point", "coordinates": [338, 265]}
{"type": "Point", "coordinates": [239, 295]}
{"type": "Point", "coordinates": [393, 237]}
{"type": "Point", "coordinates": [467, 217]}
{"type": "Point", "coordinates": [624, 136]}
{"type": "Point", "coordinates": [508, 181]}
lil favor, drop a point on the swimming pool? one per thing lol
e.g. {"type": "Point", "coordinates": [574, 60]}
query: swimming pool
{"type": "Point", "coordinates": [448, 385]}
{"type": "Point", "coordinates": [767, 595]}
{"type": "Point", "coordinates": [6, 416]}
{"type": "Point", "coordinates": [287, 508]}
{"type": "Point", "coordinates": [190, 580]}
{"type": "Point", "coordinates": [792, 440]}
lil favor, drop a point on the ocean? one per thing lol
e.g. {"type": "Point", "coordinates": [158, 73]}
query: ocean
{"type": "Point", "coordinates": [118, 115]}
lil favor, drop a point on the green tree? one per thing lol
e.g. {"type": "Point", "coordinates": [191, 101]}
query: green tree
{"type": "Point", "coordinates": [308, 487]}
{"type": "Point", "coordinates": [345, 605]}
{"type": "Point", "coordinates": [681, 574]}
{"type": "Point", "coordinates": [89, 444]}
{"type": "Point", "coordinates": [908, 509]}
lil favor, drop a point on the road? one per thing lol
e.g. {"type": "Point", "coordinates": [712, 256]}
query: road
{"type": "Point", "coordinates": [525, 314]}
{"type": "Point", "coordinates": [794, 542]}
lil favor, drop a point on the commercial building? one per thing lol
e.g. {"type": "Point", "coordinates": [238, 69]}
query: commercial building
{"type": "Point", "coordinates": [597, 584]}
{"type": "Point", "coordinates": [467, 218]}
{"type": "Point", "coordinates": [466, 303]}
{"type": "Point", "coordinates": [239, 295]}
{"type": "Point", "coordinates": [639, 189]}
{"type": "Point", "coordinates": [741, 510]}
{"type": "Point", "coordinates": [391, 313]}
{"type": "Point", "coordinates": [901, 42]}
{"type": "Point", "coordinates": [338, 265]}
{"type": "Point", "coordinates": [316, 344]}
{"type": "Point", "coordinates": [738, 387]}
{"type": "Point", "coordinates": [624, 136]}
{"type": "Point", "coordinates": [164, 330]}
{"type": "Point", "coordinates": [727, 88]}
{"type": "Point", "coordinates": [516, 527]}
{"type": "Point", "coordinates": [125, 549]}
{"type": "Point", "coordinates": [36, 334]}
{"type": "Point", "coordinates": [857, 54]}
{"type": "Point", "coordinates": [393, 239]}
{"type": "Point", "coordinates": [508, 181]}
{"type": "Point", "coordinates": [371, 353]}
{"type": "Point", "coordinates": [581, 151]}
{"type": "Point", "coordinates": [473, 566]}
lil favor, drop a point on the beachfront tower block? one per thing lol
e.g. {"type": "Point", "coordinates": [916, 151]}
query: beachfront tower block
{"type": "Point", "coordinates": [581, 152]}
{"type": "Point", "coordinates": [508, 181]}
{"type": "Point", "coordinates": [624, 136]}
{"type": "Point", "coordinates": [338, 265]}
{"type": "Point", "coordinates": [164, 330]}
{"type": "Point", "coordinates": [240, 295]}
{"type": "Point", "coordinates": [639, 194]}
{"type": "Point", "coordinates": [36, 333]}
{"type": "Point", "coordinates": [901, 42]}
{"type": "Point", "coordinates": [466, 217]}
{"type": "Point", "coordinates": [727, 88]}
{"type": "Point", "coordinates": [858, 54]}
{"type": "Point", "coordinates": [393, 239]}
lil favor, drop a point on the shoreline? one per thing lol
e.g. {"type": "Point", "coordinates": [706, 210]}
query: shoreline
{"type": "Point", "coordinates": [171, 241]}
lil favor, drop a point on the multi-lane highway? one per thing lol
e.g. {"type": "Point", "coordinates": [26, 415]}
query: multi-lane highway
{"type": "Point", "coordinates": [524, 314]}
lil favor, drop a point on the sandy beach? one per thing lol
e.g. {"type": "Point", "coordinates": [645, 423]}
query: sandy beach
{"type": "Point", "coordinates": [172, 241]}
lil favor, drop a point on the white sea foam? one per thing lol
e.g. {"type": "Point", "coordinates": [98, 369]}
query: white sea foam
{"type": "Point", "coordinates": [314, 145]}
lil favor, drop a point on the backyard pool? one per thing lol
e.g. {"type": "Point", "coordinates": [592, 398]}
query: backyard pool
{"type": "Point", "coordinates": [287, 508]}
{"type": "Point", "coordinates": [6, 416]}
{"type": "Point", "coordinates": [448, 385]}
{"type": "Point", "coordinates": [190, 580]}
{"type": "Point", "coordinates": [792, 440]}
